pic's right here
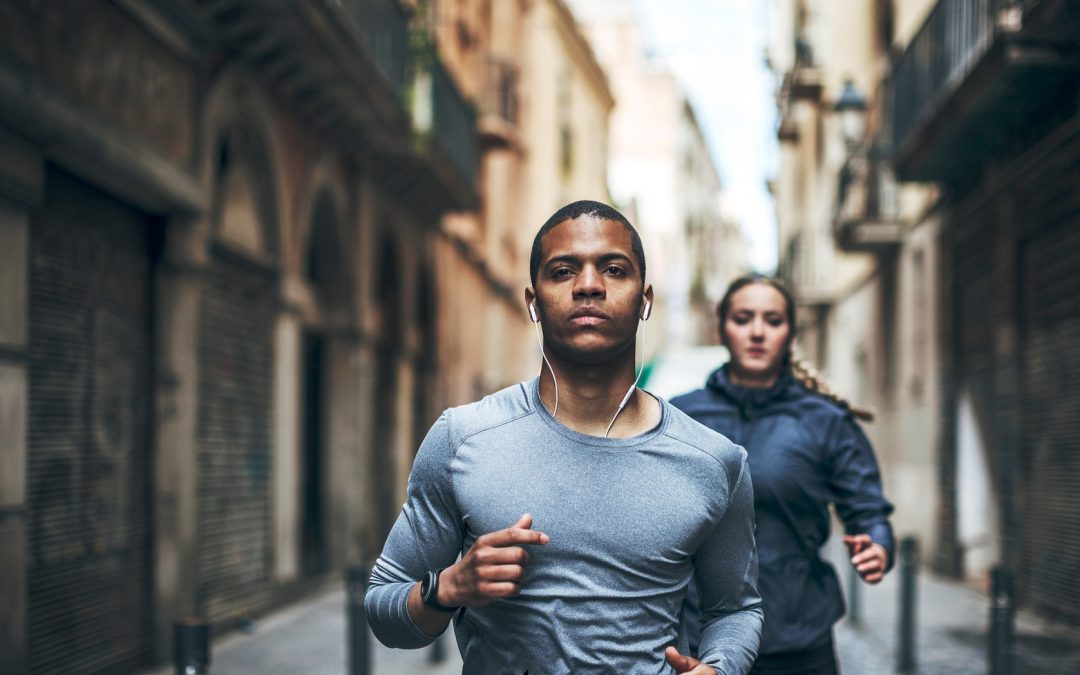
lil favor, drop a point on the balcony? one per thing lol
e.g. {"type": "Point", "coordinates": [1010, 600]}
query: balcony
{"type": "Point", "coordinates": [498, 102]}
{"type": "Point", "coordinates": [867, 217]}
{"type": "Point", "coordinates": [444, 124]}
{"type": "Point", "coordinates": [807, 265]}
{"type": "Point", "coordinates": [977, 77]}
{"type": "Point", "coordinates": [348, 67]}
{"type": "Point", "coordinates": [803, 82]}
{"type": "Point", "coordinates": [340, 63]}
{"type": "Point", "coordinates": [381, 29]}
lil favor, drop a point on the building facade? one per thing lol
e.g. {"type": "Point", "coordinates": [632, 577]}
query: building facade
{"type": "Point", "coordinates": [931, 251]}
{"type": "Point", "coordinates": [218, 231]}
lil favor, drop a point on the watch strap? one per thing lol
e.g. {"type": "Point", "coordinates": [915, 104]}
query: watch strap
{"type": "Point", "coordinates": [429, 592]}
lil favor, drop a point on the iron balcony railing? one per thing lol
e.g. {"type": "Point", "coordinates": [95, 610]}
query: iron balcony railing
{"type": "Point", "coordinates": [441, 115]}
{"type": "Point", "coordinates": [500, 95]}
{"type": "Point", "coordinates": [867, 205]}
{"type": "Point", "coordinates": [954, 37]}
{"type": "Point", "coordinates": [444, 121]}
{"type": "Point", "coordinates": [454, 122]}
{"type": "Point", "coordinates": [807, 265]}
{"type": "Point", "coordinates": [383, 29]}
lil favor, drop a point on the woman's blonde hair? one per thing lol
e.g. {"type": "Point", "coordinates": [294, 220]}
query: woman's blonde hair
{"type": "Point", "coordinates": [801, 370]}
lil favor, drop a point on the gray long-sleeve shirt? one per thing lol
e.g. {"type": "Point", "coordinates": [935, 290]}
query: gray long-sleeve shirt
{"type": "Point", "coordinates": [629, 520]}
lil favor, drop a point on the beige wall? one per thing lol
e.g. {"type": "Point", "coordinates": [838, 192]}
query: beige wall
{"type": "Point", "coordinates": [564, 89]}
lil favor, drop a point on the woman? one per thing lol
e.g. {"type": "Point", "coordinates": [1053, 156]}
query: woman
{"type": "Point", "coordinates": [805, 451]}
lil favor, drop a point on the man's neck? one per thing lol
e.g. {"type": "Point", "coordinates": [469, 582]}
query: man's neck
{"type": "Point", "coordinates": [590, 396]}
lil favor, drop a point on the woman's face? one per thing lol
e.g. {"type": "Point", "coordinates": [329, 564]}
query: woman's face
{"type": "Point", "coordinates": [757, 333]}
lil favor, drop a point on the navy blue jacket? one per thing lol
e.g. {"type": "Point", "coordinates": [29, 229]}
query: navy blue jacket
{"type": "Point", "coordinates": [804, 452]}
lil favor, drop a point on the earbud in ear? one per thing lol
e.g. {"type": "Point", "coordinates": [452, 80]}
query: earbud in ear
{"type": "Point", "coordinates": [646, 310]}
{"type": "Point", "coordinates": [532, 312]}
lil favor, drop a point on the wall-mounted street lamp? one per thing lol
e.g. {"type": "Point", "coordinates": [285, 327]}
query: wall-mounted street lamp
{"type": "Point", "coordinates": [851, 107]}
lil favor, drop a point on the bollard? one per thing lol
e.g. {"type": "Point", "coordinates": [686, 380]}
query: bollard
{"type": "Point", "coordinates": [191, 647]}
{"type": "Point", "coordinates": [1001, 622]}
{"type": "Point", "coordinates": [909, 566]}
{"type": "Point", "coordinates": [437, 651]}
{"type": "Point", "coordinates": [854, 596]}
{"type": "Point", "coordinates": [358, 648]}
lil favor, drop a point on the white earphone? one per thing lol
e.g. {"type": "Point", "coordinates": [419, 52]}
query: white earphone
{"type": "Point", "coordinates": [536, 329]}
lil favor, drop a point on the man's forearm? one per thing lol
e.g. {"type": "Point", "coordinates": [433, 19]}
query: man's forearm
{"type": "Point", "coordinates": [428, 619]}
{"type": "Point", "coordinates": [387, 603]}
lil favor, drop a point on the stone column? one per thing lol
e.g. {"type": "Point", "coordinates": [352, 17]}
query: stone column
{"type": "Point", "coordinates": [288, 417]}
{"type": "Point", "coordinates": [179, 280]}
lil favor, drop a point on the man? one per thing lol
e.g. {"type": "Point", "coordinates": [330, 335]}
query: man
{"type": "Point", "coordinates": [580, 505]}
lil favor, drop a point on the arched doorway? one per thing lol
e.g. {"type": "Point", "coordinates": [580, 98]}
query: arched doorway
{"type": "Point", "coordinates": [325, 273]}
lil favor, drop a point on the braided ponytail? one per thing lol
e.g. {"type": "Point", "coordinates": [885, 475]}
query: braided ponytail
{"type": "Point", "coordinates": [804, 373]}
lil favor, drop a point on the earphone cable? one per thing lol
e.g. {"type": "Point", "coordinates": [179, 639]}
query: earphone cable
{"type": "Point", "coordinates": [641, 369]}
{"type": "Point", "coordinates": [539, 341]}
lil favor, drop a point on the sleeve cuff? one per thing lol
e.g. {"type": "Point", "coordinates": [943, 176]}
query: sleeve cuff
{"type": "Point", "coordinates": [881, 533]}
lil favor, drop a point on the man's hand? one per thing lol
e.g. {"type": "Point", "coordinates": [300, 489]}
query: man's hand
{"type": "Point", "coordinates": [868, 559]}
{"type": "Point", "coordinates": [492, 568]}
{"type": "Point", "coordinates": [685, 664]}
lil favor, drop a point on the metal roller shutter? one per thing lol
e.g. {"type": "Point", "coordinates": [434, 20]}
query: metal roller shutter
{"type": "Point", "coordinates": [236, 321]}
{"type": "Point", "coordinates": [88, 576]}
{"type": "Point", "coordinates": [1050, 397]}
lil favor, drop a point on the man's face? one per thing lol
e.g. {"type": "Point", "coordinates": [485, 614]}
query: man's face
{"type": "Point", "coordinates": [589, 291]}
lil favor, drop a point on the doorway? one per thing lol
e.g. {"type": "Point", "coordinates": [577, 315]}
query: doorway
{"type": "Point", "coordinates": [313, 453]}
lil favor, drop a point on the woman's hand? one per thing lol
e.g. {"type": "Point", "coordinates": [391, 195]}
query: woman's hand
{"type": "Point", "coordinates": [870, 560]}
{"type": "Point", "coordinates": [685, 664]}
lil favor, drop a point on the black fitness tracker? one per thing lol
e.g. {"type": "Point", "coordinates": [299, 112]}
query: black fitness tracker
{"type": "Point", "coordinates": [429, 592]}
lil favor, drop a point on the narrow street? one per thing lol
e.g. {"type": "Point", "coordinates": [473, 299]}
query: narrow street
{"type": "Point", "coordinates": [252, 250]}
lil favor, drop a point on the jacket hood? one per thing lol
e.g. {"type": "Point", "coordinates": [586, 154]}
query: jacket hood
{"type": "Point", "coordinates": [751, 399]}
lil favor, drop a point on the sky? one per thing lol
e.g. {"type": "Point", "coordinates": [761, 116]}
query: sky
{"type": "Point", "coordinates": [717, 50]}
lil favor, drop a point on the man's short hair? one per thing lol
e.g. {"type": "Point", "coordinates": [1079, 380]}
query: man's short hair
{"type": "Point", "coordinates": [577, 209]}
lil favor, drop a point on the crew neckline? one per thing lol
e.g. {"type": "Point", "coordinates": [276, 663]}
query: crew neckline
{"type": "Point", "coordinates": [532, 390]}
